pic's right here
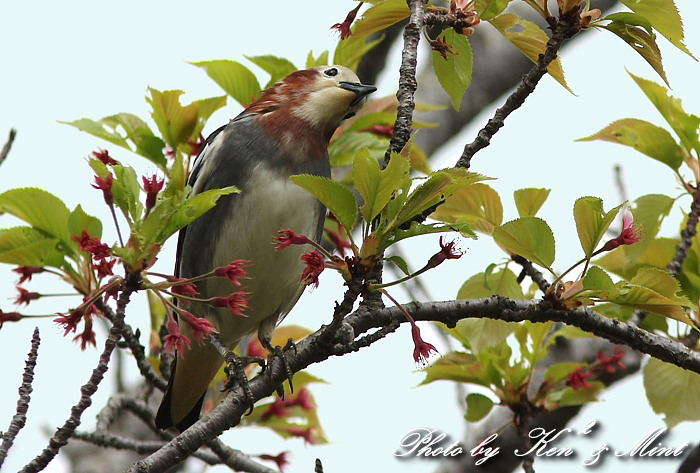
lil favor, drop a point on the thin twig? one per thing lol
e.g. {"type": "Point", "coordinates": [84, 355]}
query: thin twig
{"type": "Point", "coordinates": [25, 391]}
{"type": "Point", "coordinates": [8, 144]}
{"type": "Point", "coordinates": [564, 29]}
{"type": "Point", "coordinates": [407, 80]}
{"type": "Point", "coordinates": [64, 433]}
{"type": "Point", "coordinates": [139, 352]}
{"type": "Point", "coordinates": [237, 460]}
{"type": "Point", "coordinates": [536, 276]}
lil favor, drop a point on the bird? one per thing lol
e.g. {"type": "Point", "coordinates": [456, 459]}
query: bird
{"type": "Point", "coordinates": [285, 132]}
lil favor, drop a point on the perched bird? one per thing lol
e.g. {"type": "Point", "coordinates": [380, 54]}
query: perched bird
{"type": "Point", "coordinates": [285, 132]}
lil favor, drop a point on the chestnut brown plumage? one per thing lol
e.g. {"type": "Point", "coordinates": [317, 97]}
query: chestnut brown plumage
{"type": "Point", "coordinates": [285, 132]}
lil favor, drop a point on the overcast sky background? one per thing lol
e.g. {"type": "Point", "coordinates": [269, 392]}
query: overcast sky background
{"type": "Point", "coordinates": [64, 61]}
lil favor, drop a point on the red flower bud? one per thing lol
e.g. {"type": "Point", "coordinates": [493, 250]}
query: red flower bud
{"type": "Point", "coordinates": [26, 272]}
{"type": "Point", "coordinates": [630, 233]}
{"type": "Point", "coordinates": [287, 237]}
{"type": "Point", "coordinates": [422, 349]}
{"type": "Point", "coordinates": [152, 186]}
{"type": "Point", "coordinates": [200, 326]}
{"type": "Point", "coordinates": [447, 251]}
{"type": "Point", "coordinates": [314, 267]}
{"type": "Point", "coordinates": [9, 317]}
{"type": "Point", "coordinates": [106, 186]}
{"type": "Point", "coordinates": [577, 379]}
{"type": "Point", "coordinates": [234, 272]}
{"type": "Point", "coordinates": [103, 155]}
{"type": "Point", "coordinates": [25, 297]}
{"type": "Point", "coordinates": [344, 27]}
{"type": "Point", "coordinates": [175, 340]}
{"type": "Point", "coordinates": [281, 460]}
{"type": "Point", "coordinates": [237, 303]}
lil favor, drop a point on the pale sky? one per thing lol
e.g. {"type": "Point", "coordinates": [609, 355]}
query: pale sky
{"type": "Point", "coordinates": [65, 61]}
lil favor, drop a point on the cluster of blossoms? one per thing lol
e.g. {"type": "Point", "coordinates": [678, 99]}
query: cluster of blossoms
{"type": "Point", "coordinates": [185, 290]}
{"type": "Point", "coordinates": [99, 252]}
{"type": "Point", "coordinates": [578, 378]}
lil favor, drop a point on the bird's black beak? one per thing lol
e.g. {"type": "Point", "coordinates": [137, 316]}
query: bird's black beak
{"type": "Point", "coordinates": [361, 90]}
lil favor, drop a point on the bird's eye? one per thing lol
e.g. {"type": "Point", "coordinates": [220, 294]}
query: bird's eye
{"type": "Point", "coordinates": [332, 72]}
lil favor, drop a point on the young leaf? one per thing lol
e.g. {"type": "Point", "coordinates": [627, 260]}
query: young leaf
{"type": "Point", "coordinates": [576, 397]}
{"type": "Point", "coordinates": [645, 137]}
{"type": "Point", "coordinates": [685, 125]}
{"type": "Point", "coordinates": [478, 204]}
{"type": "Point", "coordinates": [99, 129]}
{"type": "Point", "coordinates": [592, 222]}
{"type": "Point", "coordinates": [529, 201]}
{"type": "Point", "coordinates": [454, 72]}
{"type": "Point", "coordinates": [439, 186]}
{"type": "Point", "coordinates": [349, 53]}
{"type": "Point", "coordinates": [175, 122]}
{"type": "Point", "coordinates": [656, 291]}
{"type": "Point", "coordinates": [78, 221]}
{"type": "Point", "coordinates": [321, 60]}
{"type": "Point", "coordinates": [457, 366]}
{"type": "Point", "coordinates": [663, 16]}
{"type": "Point", "coordinates": [560, 371]}
{"type": "Point", "coordinates": [338, 198]}
{"type": "Point", "coordinates": [672, 391]}
{"type": "Point", "coordinates": [636, 31]}
{"type": "Point", "coordinates": [236, 79]}
{"type": "Point", "coordinates": [26, 246]}
{"type": "Point", "coordinates": [377, 187]}
{"type": "Point", "coordinates": [378, 17]}
{"type": "Point", "coordinates": [487, 9]}
{"type": "Point", "coordinates": [598, 280]}
{"type": "Point", "coordinates": [277, 67]}
{"type": "Point", "coordinates": [422, 229]}
{"type": "Point", "coordinates": [39, 208]}
{"type": "Point", "coordinates": [478, 407]}
{"type": "Point", "coordinates": [484, 332]}
{"type": "Point", "coordinates": [649, 212]}
{"type": "Point", "coordinates": [529, 39]}
{"type": "Point", "coordinates": [529, 237]}
{"type": "Point", "coordinates": [399, 262]}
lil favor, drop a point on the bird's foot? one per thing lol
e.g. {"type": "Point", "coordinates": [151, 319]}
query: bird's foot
{"type": "Point", "coordinates": [235, 372]}
{"type": "Point", "coordinates": [278, 352]}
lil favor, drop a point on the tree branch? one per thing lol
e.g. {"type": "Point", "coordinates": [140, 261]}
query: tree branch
{"type": "Point", "coordinates": [64, 433]}
{"type": "Point", "coordinates": [565, 28]}
{"type": "Point", "coordinates": [8, 144]}
{"type": "Point", "coordinates": [407, 80]}
{"type": "Point", "coordinates": [25, 391]}
{"type": "Point", "coordinates": [317, 347]}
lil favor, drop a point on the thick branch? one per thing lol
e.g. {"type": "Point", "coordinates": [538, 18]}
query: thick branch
{"type": "Point", "coordinates": [407, 80]}
{"type": "Point", "coordinates": [64, 433]}
{"type": "Point", "coordinates": [25, 391]}
{"type": "Point", "coordinates": [317, 347]}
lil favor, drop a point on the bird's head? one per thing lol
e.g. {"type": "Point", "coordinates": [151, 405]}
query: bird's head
{"type": "Point", "coordinates": [321, 97]}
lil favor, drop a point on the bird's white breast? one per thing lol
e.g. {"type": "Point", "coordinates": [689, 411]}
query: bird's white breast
{"type": "Point", "coordinates": [268, 204]}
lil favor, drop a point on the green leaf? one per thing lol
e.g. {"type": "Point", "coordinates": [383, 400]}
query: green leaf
{"type": "Point", "coordinates": [672, 391]}
{"type": "Point", "coordinates": [277, 67]}
{"type": "Point", "coordinates": [26, 246]}
{"type": "Point", "coordinates": [649, 212]}
{"type": "Point", "coordinates": [399, 262]}
{"type": "Point", "coordinates": [645, 137]}
{"type": "Point", "coordinates": [175, 122]}
{"type": "Point", "coordinates": [487, 9]}
{"type": "Point", "coordinates": [378, 17]}
{"type": "Point", "coordinates": [377, 187]}
{"type": "Point", "coordinates": [529, 39]}
{"type": "Point", "coordinates": [439, 186]}
{"type": "Point", "coordinates": [478, 406]}
{"type": "Point", "coordinates": [338, 198]}
{"type": "Point", "coordinates": [529, 237]}
{"type": "Point", "coordinates": [457, 366]}
{"type": "Point", "coordinates": [478, 204]}
{"type": "Point", "coordinates": [126, 191]}
{"type": "Point", "coordinates": [592, 222]}
{"type": "Point", "coordinates": [236, 79]}
{"type": "Point", "coordinates": [598, 280]}
{"type": "Point", "coordinates": [39, 208]}
{"type": "Point", "coordinates": [455, 72]}
{"type": "Point", "coordinates": [100, 130]}
{"type": "Point", "coordinates": [183, 215]}
{"type": "Point", "coordinates": [139, 133]}
{"type": "Point", "coordinates": [78, 221]}
{"type": "Point", "coordinates": [349, 53]}
{"type": "Point", "coordinates": [529, 201]}
{"type": "Point", "coordinates": [663, 16]}
{"type": "Point", "coordinates": [484, 332]}
{"type": "Point", "coordinates": [321, 60]}
{"type": "Point", "coordinates": [685, 125]}
{"type": "Point", "coordinates": [343, 150]}
{"type": "Point", "coordinates": [654, 290]}
{"type": "Point", "coordinates": [417, 229]}
{"type": "Point", "coordinates": [636, 31]}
